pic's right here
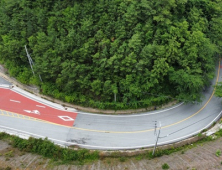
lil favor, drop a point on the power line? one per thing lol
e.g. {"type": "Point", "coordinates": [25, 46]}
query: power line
{"type": "Point", "coordinates": [157, 139]}
{"type": "Point", "coordinates": [186, 126]}
{"type": "Point", "coordinates": [31, 63]}
{"type": "Point", "coordinates": [30, 60]}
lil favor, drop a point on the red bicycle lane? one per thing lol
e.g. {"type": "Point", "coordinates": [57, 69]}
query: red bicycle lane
{"type": "Point", "coordinates": [13, 102]}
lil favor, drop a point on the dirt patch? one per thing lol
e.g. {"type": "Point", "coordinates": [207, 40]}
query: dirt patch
{"type": "Point", "coordinates": [202, 157]}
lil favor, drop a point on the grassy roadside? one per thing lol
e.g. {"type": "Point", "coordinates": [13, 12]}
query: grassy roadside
{"type": "Point", "coordinates": [47, 149]}
{"type": "Point", "coordinates": [61, 155]}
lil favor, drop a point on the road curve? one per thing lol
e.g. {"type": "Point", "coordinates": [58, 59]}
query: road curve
{"type": "Point", "coordinates": [106, 132]}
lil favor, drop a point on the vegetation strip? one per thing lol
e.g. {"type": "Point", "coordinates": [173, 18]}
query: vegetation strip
{"type": "Point", "coordinates": [48, 149]}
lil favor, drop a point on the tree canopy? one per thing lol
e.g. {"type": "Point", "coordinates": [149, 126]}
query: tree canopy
{"type": "Point", "coordinates": [113, 50]}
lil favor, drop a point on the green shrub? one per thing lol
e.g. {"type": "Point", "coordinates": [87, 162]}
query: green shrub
{"type": "Point", "coordinates": [25, 75]}
{"type": "Point", "coordinates": [8, 168]}
{"type": "Point", "coordinates": [81, 99]}
{"type": "Point", "coordinates": [218, 153]}
{"type": "Point", "coordinates": [139, 157]}
{"type": "Point", "coordinates": [122, 159]}
{"type": "Point", "coordinates": [165, 166]}
{"type": "Point", "coordinates": [10, 153]}
{"type": "Point", "coordinates": [3, 135]}
{"type": "Point", "coordinates": [48, 149]}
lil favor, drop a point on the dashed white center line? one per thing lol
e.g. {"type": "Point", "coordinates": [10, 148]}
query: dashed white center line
{"type": "Point", "coordinates": [40, 106]}
{"type": "Point", "coordinates": [15, 101]}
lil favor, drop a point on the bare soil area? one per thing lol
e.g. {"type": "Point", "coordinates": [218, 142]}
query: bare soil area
{"type": "Point", "coordinates": [202, 157]}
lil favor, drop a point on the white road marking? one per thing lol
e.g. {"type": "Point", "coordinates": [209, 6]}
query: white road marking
{"type": "Point", "coordinates": [4, 86]}
{"type": "Point", "coordinates": [29, 111]}
{"type": "Point", "coordinates": [37, 99]}
{"type": "Point", "coordinates": [15, 101]}
{"type": "Point", "coordinates": [66, 118]}
{"type": "Point", "coordinates": [40, 106]}
{"type": "Point", "coordinates": [16, 132]}
{"type": "Point", "coordinates": [42, 101]}
{"type": "Point", "coordinates": [134, 115]}
{"type": "Point", "coordinates": [34, 111]}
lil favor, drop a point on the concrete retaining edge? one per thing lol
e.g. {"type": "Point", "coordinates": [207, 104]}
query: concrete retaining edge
{"type": "Point", "coordinates": [129, 153]}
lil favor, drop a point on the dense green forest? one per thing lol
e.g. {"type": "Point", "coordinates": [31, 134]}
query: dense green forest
{"type": "Point", "coordinates": [113, 53]}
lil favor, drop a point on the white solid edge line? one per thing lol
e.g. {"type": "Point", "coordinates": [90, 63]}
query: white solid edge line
{"type": "Point", "coordinates": [136, 147]}
{"type": "Point", "coordinates": [134, 115]}
{"type": "Point", "coordinates": [170, 141]}
{"type": "Point", "coordinates": [34, 98]}
{"type": "Point", "coordinates": [94, 114]}
{"type": "Point", "coordinates": [5, 86]}
{"type": "Point", "coordinates": [54, 107]}
{"type": "Point", "coordinates": [115, 148]}
{"type": "Point", "coordinates": [21, 131]}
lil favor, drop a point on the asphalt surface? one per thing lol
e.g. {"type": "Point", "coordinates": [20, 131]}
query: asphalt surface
{"type": "Point", "coordinates": [14, 102]}
{"type": "Point", "coordinates": [112, 132]}
{"type": "Point", "coordinates": [4, 82]}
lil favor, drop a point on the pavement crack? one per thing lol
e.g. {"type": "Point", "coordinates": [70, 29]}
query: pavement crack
{"type": "Point", "coordinates": [78, 141]}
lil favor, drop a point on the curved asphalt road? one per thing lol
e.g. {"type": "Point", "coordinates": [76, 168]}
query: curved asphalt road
{"type": "Point", "coordinates": [112, 132]}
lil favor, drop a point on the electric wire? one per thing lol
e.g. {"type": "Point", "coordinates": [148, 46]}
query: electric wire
{"type": "Point", "coordinates": [187, 126]}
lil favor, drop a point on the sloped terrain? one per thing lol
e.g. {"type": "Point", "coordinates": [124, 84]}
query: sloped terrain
{"type": "Point", "coordinates": [202, 157]}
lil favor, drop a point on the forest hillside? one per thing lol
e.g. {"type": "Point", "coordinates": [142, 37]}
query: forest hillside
{"type": "Point", "coordinates": [113, 53]}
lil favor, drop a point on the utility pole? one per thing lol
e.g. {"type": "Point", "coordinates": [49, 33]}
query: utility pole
{"type": "Point", "coordinates": [155, 128]}
{"type": "Point", "coordinates": [30, 60]}
{"type": "Point", "coordinates": [31, 63]}
{"type": "Point", "coordinates": [154, 149]}
{"type": "Point", "coordinates": [115, 97]}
